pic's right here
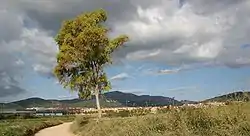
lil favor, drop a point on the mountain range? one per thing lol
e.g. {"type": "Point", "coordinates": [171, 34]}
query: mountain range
{"type": "Point", "coordinates": [236, 96]}
{"type": "Point", "coordinates": [118, 99]}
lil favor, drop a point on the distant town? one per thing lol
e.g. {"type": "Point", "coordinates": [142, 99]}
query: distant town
{"type": "Point", "coordinates": [59, 111]}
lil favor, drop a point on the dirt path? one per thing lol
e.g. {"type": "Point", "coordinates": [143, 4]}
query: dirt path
{"type": "Point", "coordinates": [60, 130]}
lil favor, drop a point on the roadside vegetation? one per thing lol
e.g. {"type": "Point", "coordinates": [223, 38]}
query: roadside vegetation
{"type": "Point", "coordinates": [28, 127]}
{"type": "Point", "coordinates": [230, 120]}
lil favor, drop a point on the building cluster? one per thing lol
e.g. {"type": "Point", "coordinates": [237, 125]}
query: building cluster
{"type": "Point", "coordinates": [204, 105]}
{"type": "Point", "coordinates": [152, 109]}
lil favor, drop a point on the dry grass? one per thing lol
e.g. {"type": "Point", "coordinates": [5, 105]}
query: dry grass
{"type": "Point", "coordinates": [231, 120]}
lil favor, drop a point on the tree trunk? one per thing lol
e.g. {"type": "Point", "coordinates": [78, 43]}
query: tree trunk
{"type": "Point", "coordinates": [98, 104]}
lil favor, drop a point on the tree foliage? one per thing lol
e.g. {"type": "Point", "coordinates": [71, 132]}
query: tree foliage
{"type": "Point", "coordinates": [84, 50]}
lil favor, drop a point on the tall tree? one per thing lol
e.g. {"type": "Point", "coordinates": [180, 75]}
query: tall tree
{"type": "Point", "coordinates": [84, 50]}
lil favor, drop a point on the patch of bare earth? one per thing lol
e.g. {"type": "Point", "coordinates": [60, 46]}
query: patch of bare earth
{"type": "Point", "coordinates": [60, 130]}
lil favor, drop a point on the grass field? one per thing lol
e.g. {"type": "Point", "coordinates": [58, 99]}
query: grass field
{"type": "Point", "coordinates": [230, 120]}
{"type": "Point", "coordinates": [28, 127]}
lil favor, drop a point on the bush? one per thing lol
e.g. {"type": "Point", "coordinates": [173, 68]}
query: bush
{"type": "Point", "coordinates": [16, 116]}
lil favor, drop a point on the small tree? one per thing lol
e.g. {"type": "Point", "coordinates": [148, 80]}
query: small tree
{"type": "Point", "coordinates": [84, 50]}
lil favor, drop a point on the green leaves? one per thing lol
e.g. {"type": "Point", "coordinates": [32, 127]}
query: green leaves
{"type": "Point", "coordinates": [84, 50]}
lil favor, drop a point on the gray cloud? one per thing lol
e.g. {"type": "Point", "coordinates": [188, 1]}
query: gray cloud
{"type": "Point", "coordinates": [11, 67]}
{"type": "Point", "coordinates": [22, 46]}
{"type": "Point", "coordinates": [10, 91]}
{"type": "Point", "coordinates": [198, 32]}
{"type": "Point", "coordinates": [10, 25]}
{"type": "Point", "coordinates": [160, 31]}
{"type": "Point", "coordinates": [192, 34]}
{"type": "Point", "coordinates": [9, 85]}
{"type": "Point", "coordinates": [50, 14]}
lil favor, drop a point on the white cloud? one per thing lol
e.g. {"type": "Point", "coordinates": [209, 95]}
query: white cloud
{"type": "Point", "coordinates": [197, 32]}
{"type": "Point", "coordinates": [172, 35]}
{"type": "Point", "coordinates": [21, 49]}
{"type": "Point", "coordinates": [19, 62]}
{"type": "Point", "coordinates": [181, 68]}
{"type": "Point", "coordinates": [169, 71]}
{"type": "Point", "coordinates": [38, 49]}
{"type": "Point", "coordinates": [183, 90]}
{"type": "Point", "coordinates": [121, 76]}
{"type": "Point", "coordinates": [41, 69]}
{"type": "Point", "coordinates": [143, 54]}
{"type": "Point", "coordinates": [209, 50]}
{"type": "Point", "coordinates": [172, 32]}
{"type": "Point", "coordinates": [174, 70]}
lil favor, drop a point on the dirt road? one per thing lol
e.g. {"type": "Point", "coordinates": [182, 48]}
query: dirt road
{"type": "Point", "coordinates": [60, 130]}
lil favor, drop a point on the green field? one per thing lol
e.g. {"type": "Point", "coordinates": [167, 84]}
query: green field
{"type": "Point", "coordinates": [230, 120]}
{"type": "Point", "coordinates": [28, 127]}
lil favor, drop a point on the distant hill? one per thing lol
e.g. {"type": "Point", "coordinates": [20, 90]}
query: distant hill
{"type": "Point", "coordinates": [236, 96]}
{"type": "Point", "coordinates": [33, 102]}
{"type": "Point", "coordinates": [110, 99]}
{"type": "Point", "coordinates": [118, 99]}
{"type": "Point", "coordinates": [130, 99]}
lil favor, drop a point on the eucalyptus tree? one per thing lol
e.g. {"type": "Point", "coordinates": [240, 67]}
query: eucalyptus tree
{"type": "Point", "coordinates": [84, 50]}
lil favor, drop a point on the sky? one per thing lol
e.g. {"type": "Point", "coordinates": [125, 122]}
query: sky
{"type": "Point", "coordinates": [187, 49]}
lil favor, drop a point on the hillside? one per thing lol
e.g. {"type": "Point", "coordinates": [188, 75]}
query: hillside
{"type": "Point", "coordinates": [236, 96]}
{"type": "Point", "coordinates": [118, 99]}
{"type": "Point", "coordinates": [110, 99]}
{"type": "Point", "coordinates": [33, 102]}
{"type": "Point", "coordinates": [130, 99]}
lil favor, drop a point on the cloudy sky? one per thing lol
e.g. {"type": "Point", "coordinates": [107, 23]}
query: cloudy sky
{"type": "Point", "coordinates": [187, 49]}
